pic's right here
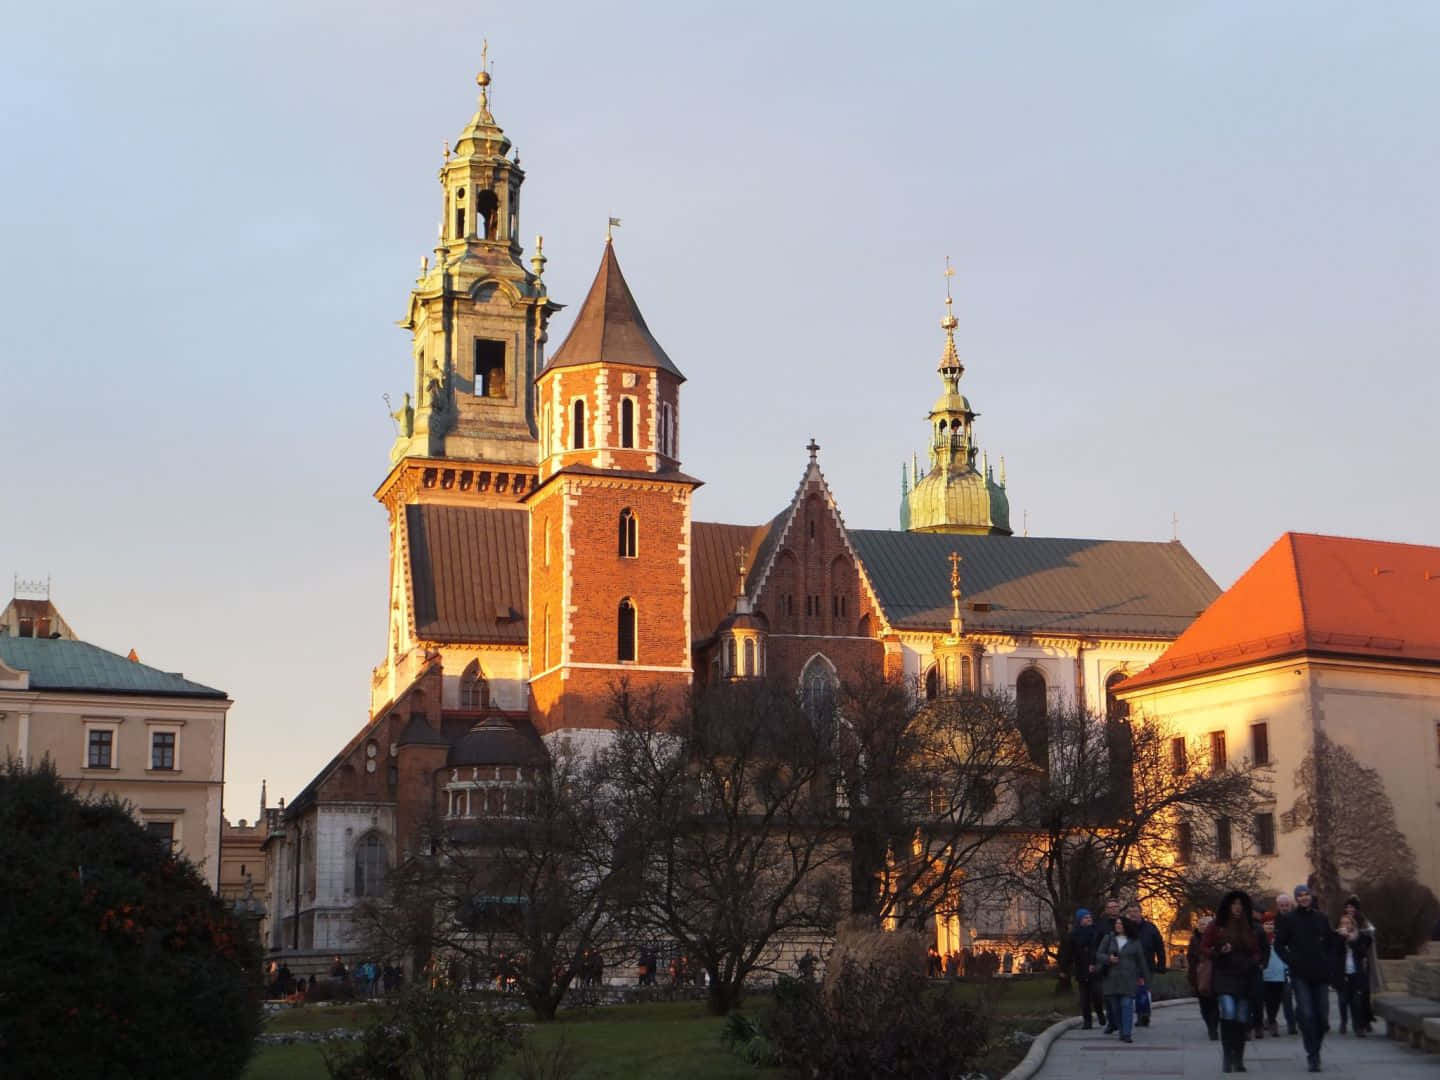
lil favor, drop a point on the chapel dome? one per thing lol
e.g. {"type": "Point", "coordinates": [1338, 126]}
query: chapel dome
{"type": "Point", "coordinates": [496, 741]}
{"type": "Point", "coordinates": [957, 501]}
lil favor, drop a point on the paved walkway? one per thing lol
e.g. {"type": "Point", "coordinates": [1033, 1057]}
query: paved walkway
{"type": "Point", "coordinates": [1175, 1045]}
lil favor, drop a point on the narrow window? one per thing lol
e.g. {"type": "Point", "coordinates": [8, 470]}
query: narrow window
{"type": "Point", "coordinates": [932, 683]}
{"type": "Point", "coordinates": [730, 668]}
{"type": "Point", "coordinates": [486, 205]}
{"type": "Point", "coordinates": [966, 676]}
{"type": "Point", "coordinates": [1265, 834]}
{"type": "Point", "coordinates": [627, 423]}
{"type": "Point", "coordinates": [489, 368]}
{"type": "Point", "coordinates": [1222, 838]}
{"type": "Point", "coordinates": [1260, 742]}
{"type": "Point", "coordinates": [369, 866]}
{"type": "Point", "coordinates": [667, 429]}
{"type": "Point", "coordinates": [1217, 751]}
{"type": "Point", "coordinates": [547, 637]}
{"type": "Point", "coordinates": [812, 528]}
{"type": "Point", "coordinates": [1179, 759]}
{"type": "Point", "coordinates": [27, 626]}
{"type": "Point", "coordinates": [162, 750]}
{"type": "Point", "coordinates": [1115, 709]}
{"type": "Point", "coordinates": [579, 422]}
{"type": "Point", "coordinates": [749, 657]}
{"type": "Point", "coordinates": [1031, 713]}
{"type": "Point", "coordinates": [1184, 843]}
{"type": "Point", "coordinates": [100, 745]}
{"type": "Point", "coordinates": [629, 535]}
{"type": "Point", "coordinates": [459, 222]}
{"type": "Point", "coordinates": [625, 632]}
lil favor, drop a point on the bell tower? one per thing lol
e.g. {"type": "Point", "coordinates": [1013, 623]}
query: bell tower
{"type": "Point", "coordinates": [478, 319]}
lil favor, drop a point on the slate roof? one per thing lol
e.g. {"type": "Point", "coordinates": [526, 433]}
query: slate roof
{"type": "Point", "coordinates": [59, 664]}
{"type": "Point", "coordinates": [609, 328]}
{"type": "Point", "coordinates": [713, 569]}
{"type": "Point", "coordinates": [1036, 584]}
{"type": "Point", "coordinates": [468, 567]}
{"type": "Point", "coordinates": [1324, 595]}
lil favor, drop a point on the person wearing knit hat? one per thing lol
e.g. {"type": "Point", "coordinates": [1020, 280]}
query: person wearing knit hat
{"type": "Point", "coordinates": [1307, 944]}
{"type": "Point", "coordinates": [1084, 937]}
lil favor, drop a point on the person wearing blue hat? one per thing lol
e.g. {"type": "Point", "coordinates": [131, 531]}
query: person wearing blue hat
{"type": "Point", "coordinates": [1084, 937]}
{"type": "Point", "coordinates": [1308, 945]}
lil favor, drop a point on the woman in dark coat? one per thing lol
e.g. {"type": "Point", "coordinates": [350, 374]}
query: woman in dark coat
{"type": "Point", "coordinates": [1195, 954]}
{"type": "Point", "coordinates": [1122, 958]}
{"type": "Point", "coordinates": [1352, 976]}
{"type": "Point", "coordinates": [1235, 955]}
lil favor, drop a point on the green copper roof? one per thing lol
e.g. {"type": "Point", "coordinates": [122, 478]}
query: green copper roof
{"type": "Point", "coordinates": [56, 664]}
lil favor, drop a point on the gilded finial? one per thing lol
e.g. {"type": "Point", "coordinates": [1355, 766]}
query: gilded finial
{"type": "Point", "coordinates": [538, 260]}
{"type": "Point", "coordinates": [949, 322]}
{"type": "Point", "coordinates": [446, 151]}
{"type": "Point", "coordinates": [742, 555]}
{"type": "Point", "coordinates": [483, 79]}
{"type": "Point", "coordinates": [955, 621]}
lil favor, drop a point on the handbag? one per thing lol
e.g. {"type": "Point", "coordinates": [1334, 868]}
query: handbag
{"type": "Point", "coordinates": [1205, 977]}
{"type": "Point", "coordinates": [1142, 1000]}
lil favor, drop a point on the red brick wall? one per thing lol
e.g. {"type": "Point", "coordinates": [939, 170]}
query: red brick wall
{"type": "Point", "coordinates": [814, 569]}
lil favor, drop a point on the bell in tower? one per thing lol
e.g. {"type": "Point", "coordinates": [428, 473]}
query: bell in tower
{"type": "Point", "coordinates": [478, 315]}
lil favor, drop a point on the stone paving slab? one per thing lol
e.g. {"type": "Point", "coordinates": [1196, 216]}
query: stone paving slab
{"type": "Point", "coordinates": [1175, 1046]}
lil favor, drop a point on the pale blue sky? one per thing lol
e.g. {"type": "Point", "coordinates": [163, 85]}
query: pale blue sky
{"type": "Point", "coordinates": [1196, 251]}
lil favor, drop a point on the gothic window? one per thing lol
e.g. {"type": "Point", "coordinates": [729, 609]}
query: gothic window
{"type": "Point", "coordinates": [730, 668]}
{"type": "Point", "coordinates": [932, 683]}
{"type": "Point", "coordinates": [629, 535]}
{"type": "Point", "coordinates": [1115, 709]}
{"type": "Point", "coordinates": [474, 689]}
{"type": "Point", "coordinates": [486, 204]}
{"type": "Point", "coordinates": [489, 368]}
{"type": "Point", "coordinates": [627, 423]}
{"type": "Point", "coordinates": [1030, 712]}
{"type": "Point", "coordinates": [625, 632]}
{"type": "Point", "coordinates": [817, 692]}
{"type": "Point", "coordinates": [749, 657]}
{"type": "Point", "coordinates": [370, 865]}
{"type": "Point", "coordinates": [578, 413]}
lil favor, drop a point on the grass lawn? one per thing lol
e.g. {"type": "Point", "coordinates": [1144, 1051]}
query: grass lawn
{"type": "Point", "coordinates": [639, 1042]}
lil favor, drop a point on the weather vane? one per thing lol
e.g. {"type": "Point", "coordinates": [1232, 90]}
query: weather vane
{"type": "Point", "coordinates": [610, 226]}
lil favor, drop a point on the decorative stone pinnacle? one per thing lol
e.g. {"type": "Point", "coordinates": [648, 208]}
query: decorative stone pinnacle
{"type": "Point", "coordinates": [814, 449]}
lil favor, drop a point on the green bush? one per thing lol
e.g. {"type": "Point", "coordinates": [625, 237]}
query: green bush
{"type": "Point", "coordinates": [119, 961]}
{"type": "Point", "coordinates": [1403, 912]}
{"type": "Point", "coordinates": [876, 1020]}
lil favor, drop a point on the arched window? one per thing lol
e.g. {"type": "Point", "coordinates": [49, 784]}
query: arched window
{"type": "Point", "coordinates": [474, 689]}
{"type": "Point", "coordinates": [629, 534]}
{"type": "Point", "coordinates": [627, 422]}
{"type": "Point", "coordinates": [967, 676]}
{"type": "Point", "coordinates": [817, 689]}
{"type": "Point", "coordinates": [749, 656]}
{"type": "Point", "coordinates": [486, 205]}
{"type": "Point", "coordinates": [730, 667]}
{"type": "Point", "coordinates": [667, 429]}
{"type": "Point", "coordinates": [932, 683]}
{"type": "Point", "coordinates": [1030, 712]}
{"type": "Point", "coordinates": [625, 631]}
{"type": "Point", "coordinates": [578, 418]}
{"type": "Point", "coordinates": [370, 865]}
{"type": "Point", "coordinates": [1115, 709]}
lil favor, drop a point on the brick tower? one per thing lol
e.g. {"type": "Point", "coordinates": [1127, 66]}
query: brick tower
{"type": "Point", "coordinates": [609, 521]}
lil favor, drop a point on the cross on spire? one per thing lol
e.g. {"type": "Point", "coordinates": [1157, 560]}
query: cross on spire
{"type": "Point", "coordinates": [814, 449]}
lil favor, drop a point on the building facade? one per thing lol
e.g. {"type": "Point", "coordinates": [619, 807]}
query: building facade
{"type": "Point", "coordinates": [542, 548]}
{"type": "Point", "coordinates": [113, 726]}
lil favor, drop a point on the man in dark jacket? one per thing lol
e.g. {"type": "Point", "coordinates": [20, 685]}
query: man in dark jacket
{"type": "Point", "coordinates": [1084, 937]}
{"type": "Point", "coordinates": [1152, 944]}
{"type": "Point", "coordinates": [1306, 943]}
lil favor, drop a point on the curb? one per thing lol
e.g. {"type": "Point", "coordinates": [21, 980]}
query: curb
{"type": "Point", "coordinates": [1030, 1064]}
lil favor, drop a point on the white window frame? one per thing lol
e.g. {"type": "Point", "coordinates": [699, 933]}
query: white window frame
{"type": "Point", "coordinates": [110, 724]}
{"type": "Point", "coordinates": [168, 727]}
{"type": "Point", "coordinates": [176, 820]}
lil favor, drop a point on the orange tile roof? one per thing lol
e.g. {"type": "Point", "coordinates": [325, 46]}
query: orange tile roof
{"type": "Point", "coordinates": [1325, 595]}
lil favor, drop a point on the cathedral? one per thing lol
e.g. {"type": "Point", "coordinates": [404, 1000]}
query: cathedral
{"type": "Point", "coordinates": [542, 548]}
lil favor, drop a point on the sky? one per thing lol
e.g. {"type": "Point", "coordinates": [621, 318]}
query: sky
{"type": "Point", "coordinates": [1197, 252]}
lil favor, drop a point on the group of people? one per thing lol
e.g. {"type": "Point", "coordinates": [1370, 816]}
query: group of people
{"type": "Point", "coordinates": [983, 964]}
{"type": "Point", "coordinates": [1246, 968]}
{"type": "Point", "coordinates": [1112, 963]}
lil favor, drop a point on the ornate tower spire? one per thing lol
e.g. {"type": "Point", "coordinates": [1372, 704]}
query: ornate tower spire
{"type": "Point", "coordinates": [954, 496]}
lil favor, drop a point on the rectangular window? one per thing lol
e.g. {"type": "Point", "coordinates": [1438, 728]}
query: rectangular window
{"type": "Point", "coordinates": [1179, 758]}
{"type": "Point", "coordinates": [27, 626]}
{"type": "Point", "coordinates": [164, 831]}
{"type": "Point", "coordinates": [1260, 742]}
{"type": "Point", "coordinates": [1184, 843]}
{"type": "Point", "coordinates": [1217, 751]}
{"type": "Point", "coordinates": [489, 368]}
{"type": "Point", "coordinates": [101, 743]}
{"type": "Point", "coordinates": [1222, 838]}
{"type": "Point", "coordinates": [1265, 834]}
{"type": "Point", "coordinates": [162, 750]}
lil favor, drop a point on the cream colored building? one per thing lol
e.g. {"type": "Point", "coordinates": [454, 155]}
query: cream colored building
{"type": "Point", "coordinates": [1322, 636]}
{"type": "Point", "coordinates": [113, 726]}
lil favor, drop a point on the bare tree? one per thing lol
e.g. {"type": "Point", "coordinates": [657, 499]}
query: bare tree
{"type": "Point", "coordinates": [928, 785]}
{"type": "Point", "coordinates": [726, 829]}
{"type": "Point", "coordinates": [1130, 807]}
{"type": "Point", "coordinates": [1354, 839]}
{"type": "Point", "coordinates": [528, 896]}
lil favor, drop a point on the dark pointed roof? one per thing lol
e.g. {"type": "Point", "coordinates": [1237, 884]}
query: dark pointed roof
{"type": "Point", "coordinates": [609, 327]}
